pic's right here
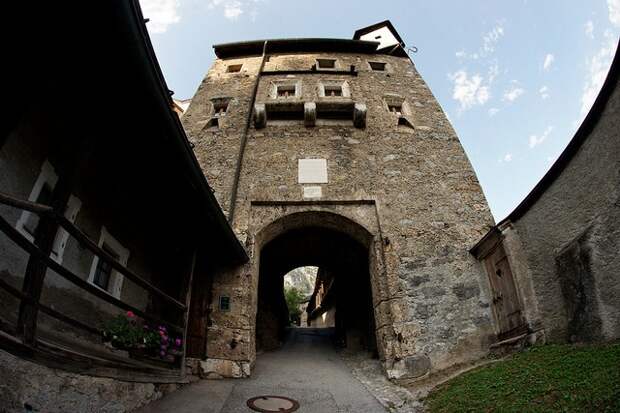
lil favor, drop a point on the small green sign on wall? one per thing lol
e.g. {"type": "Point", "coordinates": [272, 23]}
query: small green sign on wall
{"type": "Point", "coordinates": [224, 303]}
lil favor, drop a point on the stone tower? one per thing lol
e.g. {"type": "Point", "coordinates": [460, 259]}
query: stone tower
{"type": "Point", "coordinates": [334, 153]}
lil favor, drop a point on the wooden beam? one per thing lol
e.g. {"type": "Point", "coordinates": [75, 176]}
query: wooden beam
{"type": "Point", "coordinates": [91, 245]}
{"type": "Point", "coordinates": [47, 310]}
{"type": "Point", "coordinates": [44, 237]}
{"type": "Point", "coordinates": [26, 245]}
{"type": "Point", "coordinates": [9, 200]}
{"type": "Point", "coordinates": [188, 298]}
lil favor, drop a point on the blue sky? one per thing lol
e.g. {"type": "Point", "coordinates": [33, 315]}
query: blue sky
{"type": "Point", "coordinates": [515, 77]}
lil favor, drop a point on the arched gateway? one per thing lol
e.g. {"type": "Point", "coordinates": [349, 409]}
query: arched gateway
{"type": "Point", "coordinates": [334, 153]}
{"type": "Point", "coordinates": [341, 249]}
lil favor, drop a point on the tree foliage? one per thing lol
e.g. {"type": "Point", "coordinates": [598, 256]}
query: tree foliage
{"type": "Point", "coordinates": [294, 298]}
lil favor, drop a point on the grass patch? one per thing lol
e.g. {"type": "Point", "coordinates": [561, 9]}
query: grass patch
{"type": "Point", "coordinates": [550, 378]}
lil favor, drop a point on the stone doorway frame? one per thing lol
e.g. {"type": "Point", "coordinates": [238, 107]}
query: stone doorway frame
{"type": "Point", "coordinates": [357, 219]}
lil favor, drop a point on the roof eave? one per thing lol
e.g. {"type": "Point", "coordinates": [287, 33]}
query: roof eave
{"type": "Point", "coordinates": [152, 71]}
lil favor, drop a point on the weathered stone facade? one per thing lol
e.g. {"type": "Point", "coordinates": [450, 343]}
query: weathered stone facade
{"type": "Point", "coordinates": [406, 183]}
{"type": "Point", "coordinates": [562, 240]}
{"type": "Point", "coordinates": [28, 384]}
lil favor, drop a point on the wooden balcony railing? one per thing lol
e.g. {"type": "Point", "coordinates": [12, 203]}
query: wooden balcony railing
{"type": "Point", "coordinates": [32, 348]}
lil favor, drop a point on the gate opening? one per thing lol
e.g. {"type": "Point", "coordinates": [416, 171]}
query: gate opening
{"type": "Point", "coordinates": [340, 301]}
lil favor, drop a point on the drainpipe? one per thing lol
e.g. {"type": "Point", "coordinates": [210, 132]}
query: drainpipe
{"type": "Point", "coordinates": [244, 139]}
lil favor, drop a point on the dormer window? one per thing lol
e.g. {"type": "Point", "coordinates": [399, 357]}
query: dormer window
{"type": "Point", "coordinates": [325, 64]}
{"type": "Point", "coordinates": [377, 66]}
{"type": "Point", "coordinates": [234, 68]}
{"type": "Point", "coordinates": [333, 90]}
{"type": "Point", "coordinates": [286, 91]}
{"type": "Point", "coordinates": [220, 106]}
{"type": "Point", "coordinates": [397, 109]}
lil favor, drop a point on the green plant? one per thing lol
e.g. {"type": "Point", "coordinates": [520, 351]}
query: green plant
{"type": "Point", "coordinates": [127, 332]}
{"type": "Point", "coordinates": [294, 298]}
{"type": "Point", "coordinates": [549, 378]}
{"type": "Point", "coordinates": [123, 332]}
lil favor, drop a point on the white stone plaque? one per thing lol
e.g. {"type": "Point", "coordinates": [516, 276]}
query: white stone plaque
{"type": "Point", "coordinates": [312, 171]}
{"type": "Point", "coordinates": [312, 192]}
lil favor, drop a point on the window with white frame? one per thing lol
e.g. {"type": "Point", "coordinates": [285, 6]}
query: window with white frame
{"type": "Point", "coordinates": [102, 274]}
{"type": "Point", "coordinates": [334, 88]}
{"type": "Point", "coordinates": [285, 91]}
{"type": "Point", "coordinates": [41, 193]}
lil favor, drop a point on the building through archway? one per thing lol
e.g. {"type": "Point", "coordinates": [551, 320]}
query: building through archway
{"type": "Point", "coordinates": [342, 292]}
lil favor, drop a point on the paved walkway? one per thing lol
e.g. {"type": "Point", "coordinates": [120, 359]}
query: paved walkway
{"type": "Point", "coordinates": [306, 369]}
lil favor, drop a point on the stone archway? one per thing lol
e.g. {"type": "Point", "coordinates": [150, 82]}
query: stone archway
{"type": "Point", "coordinates": [344, 252]}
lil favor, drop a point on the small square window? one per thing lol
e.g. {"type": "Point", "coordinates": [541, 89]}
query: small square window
{"type": "Point", "coordinates": [377, 66]}
{"type": "Point", "coordinates": [103, 271]}
{"type": "Point", "coordinates": [326, 63]}
{"type": "Point", "coordinates": [286, 91]}
{"type": "Point", "coordinates": [224, 303]}
{"type": "Point", "coordinates": [333, 90]}
{"type": "Point", "coordinates": [234, 68]}
{"type": "Point", "coordinates": [220, 108]}
{"type": "Point", "coordinates": [213, 123]}
{"type": "Point", "coordinates": [396, 109]}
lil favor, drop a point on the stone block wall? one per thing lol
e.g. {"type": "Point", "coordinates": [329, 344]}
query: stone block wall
{"type": "Point", "coordinates": [568, 240]}
{"type": "Point", "coordinates": [54, 391]}
{"type": "Point", "coordinates": [428, 205]}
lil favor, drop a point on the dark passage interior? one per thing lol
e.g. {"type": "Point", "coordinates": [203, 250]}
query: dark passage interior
{"type": "Point", "coordinates": [345, 296]}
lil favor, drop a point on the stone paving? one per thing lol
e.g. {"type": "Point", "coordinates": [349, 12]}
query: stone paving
{"type": "Point", "coordinates": [368, 371]}
{"type": "Point", "coordinates": [306, 369]}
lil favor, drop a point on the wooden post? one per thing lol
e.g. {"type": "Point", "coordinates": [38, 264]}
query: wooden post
{"type": "Point", "coordinates": [35, 270]}
{"type": "Point", "coordinates": [188, 298]}
{"type": "Point", "coordinates": [77, 155]}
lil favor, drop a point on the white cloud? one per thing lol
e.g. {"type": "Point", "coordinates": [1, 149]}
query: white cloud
{"type": "Point", "coordinates": [493, 112]}
{"type": "Point", "coordinates": [597, 68]}
{"type": "Point", "coordinates": [544, 92]}
{"type": "Point", "coordinates": [589, 29]}
{"type": "Point", "coordinates": [536, 140]}
{"type": "Point", "coordinates": [161, 14]}
{"type": "Point", "coordinates": [508, 157]}
{"type": "Point", "coordinates": [232, 9]}
{"type": "Point", "coordinates": [469, 91]}
{"type": "Point", "coordinates": [493, 71]}
{"type": "Point", "coordinates": [549, 59]}
{"type": "Point", "coordinates": [489, 41]}
{"type": "Point", "coordinates": [513, 93]}
{"type": "Point", "coordinates": [614, 11]}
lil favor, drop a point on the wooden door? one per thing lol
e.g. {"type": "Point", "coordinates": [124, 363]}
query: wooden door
{"type": "Point", "coordinates": [199, 317]}
{"type": "Point", "coordinates": [506, 304]}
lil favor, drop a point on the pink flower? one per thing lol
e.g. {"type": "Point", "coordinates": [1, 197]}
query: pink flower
{"type": "Point", "coordinates": [130, 314]}
{"type": "Point", "coordinates": [161, 333]}
{"type": "Point", "coordinates": [162, 353]}
{"type": "Point", "coordinates": [177, 342]}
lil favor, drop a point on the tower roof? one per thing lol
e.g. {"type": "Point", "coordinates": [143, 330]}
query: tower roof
{"type": "Point", "coordinates": [383, 32]}
{"type": "Point", "coordinates": [255, 47]}
{"type": "Point", "coordinates": [372, 28]}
